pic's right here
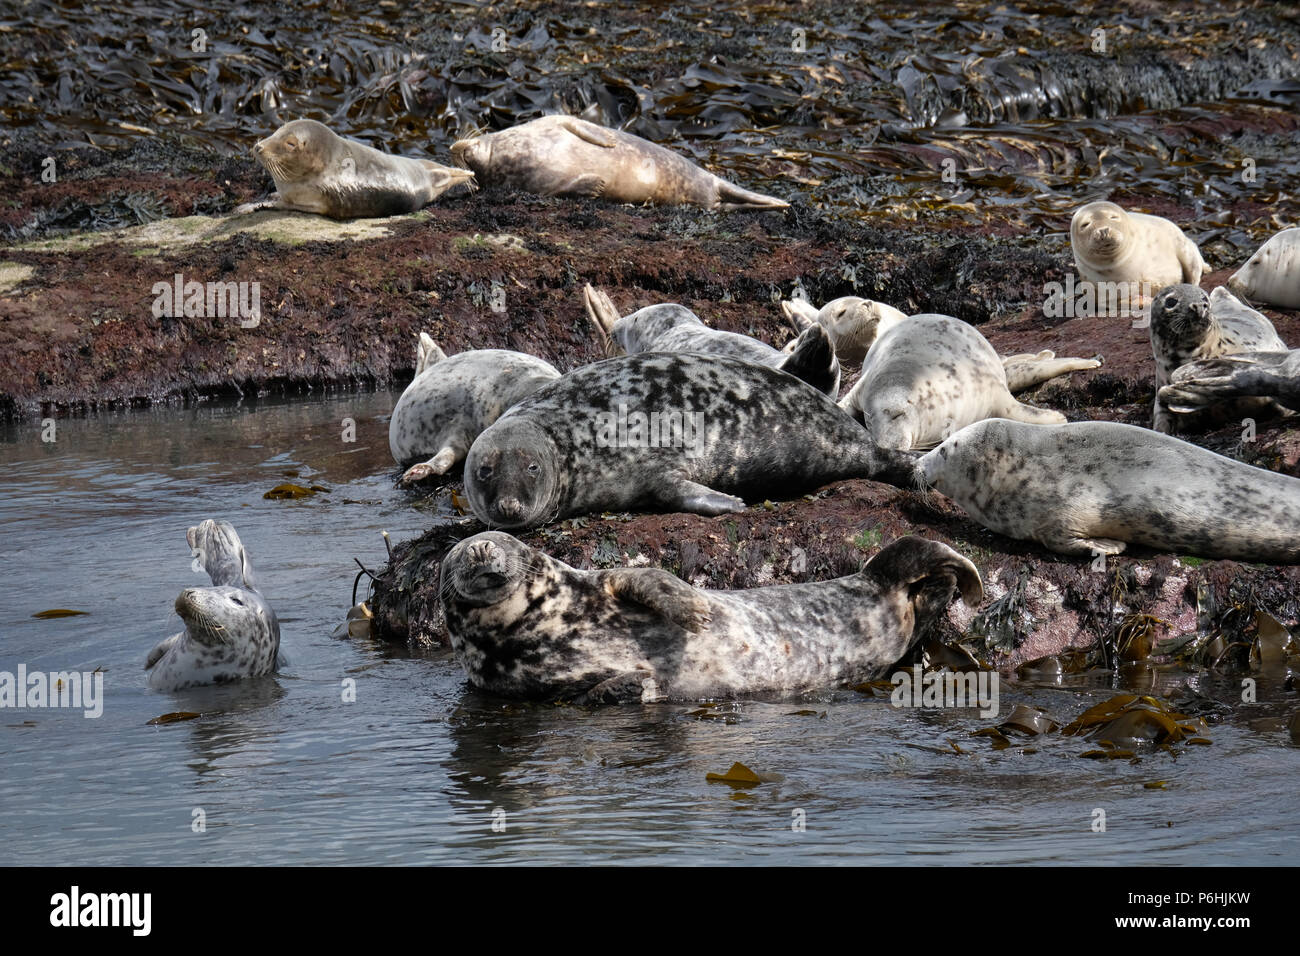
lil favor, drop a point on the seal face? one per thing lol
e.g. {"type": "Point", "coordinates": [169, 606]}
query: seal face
{"type": "Point", "coordinates": [567, 156]}
{"type": "Point", "coordinates": [928, 377]}
{"type": "Point", "coordinates": [451, 400]}
{"type": "Point", "coordinates": [667, 432]}
{"type": "Point", "coordinates": [1142, 252]}
{"type": "Point", "coordinates": [230, 630]}
{"type": "Point", "coordinates": [674, 328]}
{"type": "Point", "coordinates": [523, 624]}
{"type": "Point", "coordinates": [1090, 488]}
{"type": "Point", "coordinates": [1189, 326]}
{"type": "Point", "coordinates": [317, 171]}
{"type": "Point", "coordinates": [852, 323]}
{"type": "Point", "coordinates": [1272, 274]}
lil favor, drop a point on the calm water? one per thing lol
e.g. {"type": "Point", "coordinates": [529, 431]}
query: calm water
{"type": "Point", "coordinates": [416, 770]}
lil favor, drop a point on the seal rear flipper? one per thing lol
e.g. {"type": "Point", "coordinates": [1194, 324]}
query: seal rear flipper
{"type": "Point", "coordinates": [634, 687]}
{"type": "Point", "coordinates": [813, 361]}
{"type": "Point", "coordinates": [913, 560]}
{"type": "Point", "coordinates": [680, 494]}
{"type": "Point", "coordinates": [427, 353]}
{"type": "Point", "coordinates": [160, 650]}
{"type": "Point", "coordinates": [656, 590]}
{"type": "Point", "coordinates": [603, 315]}
{"type": "Point", "coordinates": [1020, 412]}
{"type": "Point", "coordinates": [799, 313]}
{"type": "Point", "coordinates": [1026, 371]}
{"type": "Point", "coordinates": [731, 196]}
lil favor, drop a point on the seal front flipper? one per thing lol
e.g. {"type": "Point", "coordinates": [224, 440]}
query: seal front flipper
{"type": "Point", "coordinates": [680, 494]}
{"type": "Point", "coordinates": [160, 650]}
{"type": "Point", "coordinates": [588, 184]}
{"type": "Point", "coordinates": [634, 687]}
{"type": "Point", "coordinates": [657, 590]}
{"type": "Point", "coordinates": [590, 132]}
{"type": "Point", "coordinates": [439, 464]}
{"type": "Point", "coordinates": [813, 361]}
{"type": "Point", "coordinates": [1062, 542]}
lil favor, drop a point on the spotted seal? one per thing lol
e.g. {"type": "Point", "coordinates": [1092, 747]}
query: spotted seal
{"type": "Point", "coordinates": [230, 630]}
{"type": "Point", "coordinates": [451, 400]}
{"type": "Point", "coordinates": [853, 323]}
{"type": "Point", "coordinates": [1133, 249]}
{"type": "Point", "coordinates": [925, 378]}
{"type": "Point", "coordinates": [568, 156]}
{"type": "Point", "coordinates": [1188, 326]}
{"type": "Point", "coordinates": [1093, 487]}
{"type": "Point", "coordinates": [670, 327]}
{"type": "Point", "coordinates": [665, 431]}
{"type": "Point", "coordinates": [523, 624]}
{"type": "Point", "coordinates": [316, 170]}
{"type": "Point", "coordinates": [1272, 274]}
{"type": "Point", "coordinates": [1228, 378]}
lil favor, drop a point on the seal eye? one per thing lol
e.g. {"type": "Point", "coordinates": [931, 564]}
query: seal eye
{"type": "Point", "coordinates": [484, 472]}
{"type": "Point", "coordinates": [237, 601]}
{"type": "Point", "coordinates": [534, 468]}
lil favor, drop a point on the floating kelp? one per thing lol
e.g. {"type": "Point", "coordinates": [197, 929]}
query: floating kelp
{"type": "Point", "coordinates": [58, 612]}
{"type": "Point", "coordinates": [1129, 722]}
{"type": "Point", "coordinates": [738, 776]}
{"type": "Point", "coordinates": [174, 717]}
{"type": "Point", "coordinates": [288, 491]}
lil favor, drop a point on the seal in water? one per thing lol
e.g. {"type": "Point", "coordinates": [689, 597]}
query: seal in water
{"type": "Point", "coordinates": [926, 378]}
{"type": "Point", "coordinates": [670, 432]}
{"type": "Point", "coordinates": [1141, 252]}
{"type": "Point", "coordinates": [1187, 326]}
{"type": "Point", "coordinates": [230, 630]}
{"type": "Point", "coordinates": [1090, 488]}
{"type": "Point", "coordinates": [674, 328]}
{"type": "Point", "coordinates": [523, 624]}
{"type": "Point", "coordinates": [853, 323]}
{"type": "Point", "coordinates": [1272, 274]}
{"type": "Point", "coordinates": [568, 156]}
{"type": "Point", "coordinates": [1274, 375]}
{"type": "Point", "coordinates": [451, 400]}
{"type": "Point", "coordinates": [317, 171]}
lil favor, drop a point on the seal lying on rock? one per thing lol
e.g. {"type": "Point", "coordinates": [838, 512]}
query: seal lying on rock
{"type": "Point", "coordinates": [1187, 326]}
{"type": "Point", "coordinates": [567, 156]}
{"type": "Point", "coordinates": [928, 377]}
{"type": "Point", "coordinates": [1272, 274]}
{"type": "Point", "coordinates": [674, 328]}
{"type": "Point", "coordinates": [1274, 375]}
{"type": "Point", "coordinates": [315, 170]}
{"type": "Point", "coordinates": [230, 630]}
{"type": "Point", "coordinates": [1142, 252]}
{"type": "Point", "coordinates": [666, 432]}
{"type": "Point", "coordinates": [1093, 487]}
{"type": "Point", "coordinates": [451, 400]}
{"type": "Point", "coordinates": [523, 624]}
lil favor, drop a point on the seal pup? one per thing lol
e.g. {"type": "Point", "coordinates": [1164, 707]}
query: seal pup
{"type": "Point", "coordinates": [1272, 274]}
{"type": "Point", "coordinates": [230, 630]}
{"type": "Point", "coordinates": [669, 432]}
{"type": "Point", "coordinates": [1094, 487]}
{"type": "Point", "coordinates": [674, 328]}
{"type": "Point", "coordinates": [523, 624]}
{"type": "Point", "coordinates": [568, 156]}
{"type": "Point", "coordinates": [315, 170]}
{"type": "Point", "coordinates": [1274, 375]}
{"type": "Point", "coordinates": [1131, 248]}
{"type": "Point", "coordinates": [1188, 326]}
{"type": "Point", "coordinates": [451, 400]}
{"type": "Point", "coordinates": [853, 323]}
{"type": "Point", "coordinates": [926, 378]}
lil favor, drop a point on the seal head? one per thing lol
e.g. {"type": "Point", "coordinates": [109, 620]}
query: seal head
{"type": "Point", "coordinates": [513, 481]}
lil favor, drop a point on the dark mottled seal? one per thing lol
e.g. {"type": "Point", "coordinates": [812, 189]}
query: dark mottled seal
{"type": "Point", "coordinates": [567, 156]}
{"type": "Point", "coordinates": [1090, 487]}
{"type": "Point", "coordinates": [230, 630]}
{"type": "Point", "coordinates": [451, 400]}
{"type": "Point", "coordinates": [674, 328]}
{"type": "Point", "coordinates": [526, 625]}
{"type": "Point", "coordinates": [315, 170]}
{"type": "Point", "coordinates": [666, 432]}
{"type": "Point", "coordinates": [929, 376]}
{"type": "Point", "coordinates": [1187, 326]}
{"type": "Point", "coordinates": [1229, 378]}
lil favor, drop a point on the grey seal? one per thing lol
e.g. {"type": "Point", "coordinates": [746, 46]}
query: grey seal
{"type": "Point", "coordinates": [451, 400]}
{"type": "Point", "coordinates": [1272, 274]}
{"type": "Point", "coordinates": [568, 156]}
{"type": "Point", "coordinates": [925, 378]}
{"type": "Point", "coordinates": [665, 431]}
{"type": "Point", "coordinates": [1141, 252]}
{"type": "Point", "coordinates": [230, 630]}
{"type": "Point", "coordinates": [317, 171]}
{"type": "Point", "coordinates": [1187, 326]}
{"type": "Point", "coordinates": [670, 327]}
{"type": "Point", "coordinates": [525, 625]}
{"type": "Point", "coordinates": [1094, 487]}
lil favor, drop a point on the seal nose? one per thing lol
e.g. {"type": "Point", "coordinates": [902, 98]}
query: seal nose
{"type": "Point", "coordinates": [510, 507]}
{"type": "Point", "coordinates": [184, 601]}
{"type": "Point", "coordinates": [258, 147]}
